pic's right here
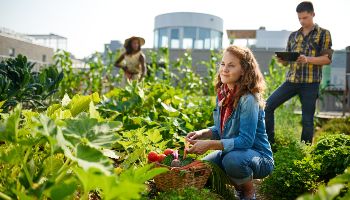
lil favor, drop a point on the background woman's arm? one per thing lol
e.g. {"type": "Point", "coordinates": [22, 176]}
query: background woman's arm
{"type": "Point", "coordinates": [119, 60]}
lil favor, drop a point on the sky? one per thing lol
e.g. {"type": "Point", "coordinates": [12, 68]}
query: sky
{"type": "Point", "coordinates": [89, 24]}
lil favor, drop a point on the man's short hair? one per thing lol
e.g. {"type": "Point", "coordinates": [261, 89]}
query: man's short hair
{"type": "Point", "coordinates": [305, 6]}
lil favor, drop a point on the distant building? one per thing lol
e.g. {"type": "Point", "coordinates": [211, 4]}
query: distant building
{"type": "Point", "coordinates": [261, 38]}
{"type": "Point", "coordinates": [262, 42]}
{"type": "Point", "coordinates": [37, 48]}
{"type": "Point", "coordinates": [187, 30]}
{"type": "Point", "coordinates": [51, 40]}
{"type": "Point", "coordinates": [113, 46]}
{"type": "Point", "coordinates": [335, 83]}
{"type": "Point", "coordinates": [198, 33]}
{"type": "Point", "coordinates": [12, 44]}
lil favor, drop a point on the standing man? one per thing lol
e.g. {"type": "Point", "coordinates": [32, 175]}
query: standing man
{"type": "Point", "coordinates": [304, 75]}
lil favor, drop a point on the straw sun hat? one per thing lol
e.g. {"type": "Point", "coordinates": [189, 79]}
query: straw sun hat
{"type": "Point", "coordinates": [141, 40]}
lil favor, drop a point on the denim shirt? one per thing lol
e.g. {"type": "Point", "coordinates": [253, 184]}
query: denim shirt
{"type": "Point", "coordinates": [244, 129]}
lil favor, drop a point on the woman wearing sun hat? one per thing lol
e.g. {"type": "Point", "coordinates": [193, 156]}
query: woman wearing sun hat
{"type": "Point", "coordinates": [132, 61]}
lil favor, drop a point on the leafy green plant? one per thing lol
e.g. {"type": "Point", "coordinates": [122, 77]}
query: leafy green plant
{"type": "Point", "coordinates": [333, 152]}
{"type": "Point", "coordinates": [188, 193]}
{"type": "Point", "coordinates": [134, 145]}
{"type": "Point", "coordinates": [188, 80]}
{"type": "Point", "coordinates": [335, 126]}
{"type": "Point", "coordinates": [56, 156]}
{"type": "Point", "coordinates": [337, 188]}
{"type": "Point", "coordinates": [220, 183]}
{"type": "Point", "coordinates": [212, 66]}
{"type": "Point", "coordinates": [71, 82]}
{"type": "Point", "coordinates": [157, 105]}
{"type": "Point", "coordinates": [300, 169]}
{"type": "Point", "coordinates": [293, 179]}
{"type": "Point", "coordinates": [293, 175]}
{"type": "Point", "coordinates": [275, 76]}
{"type": "Point", "coordinates": [19, 84]}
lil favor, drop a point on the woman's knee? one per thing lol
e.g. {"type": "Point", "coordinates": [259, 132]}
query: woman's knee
{"type": "Point", "coordinates": [236, 165]}
{"type": "Point", "coordinates": [214, 157]}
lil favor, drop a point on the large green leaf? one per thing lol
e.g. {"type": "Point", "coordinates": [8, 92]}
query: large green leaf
{"type": "Point", "coordinates": [11, 154]}
{"type": "Point", "coordinates": [1, 104]}
{"type": "Point", "coordinates": [63, 190]}
{"type": "Point", "coordinates": [80, 103]}
{"type": "Point", "coordinates": [114, 187]}
{"type": "Point", "coordinates": [9, 127]}
{"type": "Point", "coordinates": [107, 183]}
{"type": "Point", "coordinates": [98, 134]}
{"type": "Point", "coordinates": [142, 174]}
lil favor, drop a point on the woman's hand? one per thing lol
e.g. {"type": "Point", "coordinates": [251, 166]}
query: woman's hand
{"type": "Point", "coordinates": [201, 134]}
{"type": "Point", "coordinates": [194, 135]}
{"type": "Point", "coordinates": [199, 146]}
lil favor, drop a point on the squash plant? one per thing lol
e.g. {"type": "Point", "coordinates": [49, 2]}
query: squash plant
{"type": "Point", "coordinates": [56, 154]}
{"type": "Point", "coordinates": [158, 105]}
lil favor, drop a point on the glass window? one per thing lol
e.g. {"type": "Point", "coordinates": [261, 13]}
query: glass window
{"type": "Point", "coordinates": [174, 34]}
{"type": "Point", "coordinates": [44, 58]}
{"type": "Point", "coordinates": [163, 39]}
{"type": "Point", "coordinates": [199, 44]}
{"type": "Point", "coordinates": [12, 52]}
{"type": "Point", "coordinates": [62, 44]}
{"type": "Point", "coordinates": [156, 36]}
{"type": "Point", "coordinates": [189, 37]}
{"type": "Point", "coordinates": [220, 40]}
{"type": "Point", "coordinates": [203, 41]}
{"type": "Point", "coordinates": [216, 40]}
{"type": "Point", "coordinates": [174, 39]}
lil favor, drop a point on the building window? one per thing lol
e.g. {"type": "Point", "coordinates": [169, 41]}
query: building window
{"type": "Point", "coordinates": [174, 38]}
{"type": "Point", "coordinates": [44, 58]}
{"type": "Point", "coordinates": [215, 39]}
{"type": "Point", "coordinates": [189, 37]}
{"type": "Point", "coordinates": [12, 52]}
{"type": "Point", "coordinates": [203, 41]}
{"type": "Point", "coordinates": [163, 39]}
{"type": "Point", "coordinates": [156, 36]}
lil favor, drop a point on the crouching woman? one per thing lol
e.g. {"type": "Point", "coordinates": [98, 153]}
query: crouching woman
{"type": "Point", "coordinates": [238, 135]}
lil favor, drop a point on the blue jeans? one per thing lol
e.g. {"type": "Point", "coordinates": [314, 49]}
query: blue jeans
{"type": "Point", "coordinates": [307, 92]}
{"type": "Point", "coordinates": [242, 165]}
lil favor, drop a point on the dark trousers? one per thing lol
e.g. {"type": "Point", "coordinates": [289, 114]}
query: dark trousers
{"type": "Point", "coordinates": [307, 92]}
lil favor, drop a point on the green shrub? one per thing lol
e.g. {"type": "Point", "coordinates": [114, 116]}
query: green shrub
{"type": "Point", "coordinates": [301, 169]}
{"type": "Point", "coordinates": [188, 193]}
{"type": "Point", "coordinates": [287, 128]}
{"type": "Point", "coordinates": [333, 153]}
{"type": "Point", "coordinates": [294, 174]}
{"type": "Point", "coordinates": [335, 126]}
{"type": "Point", "coordinates": [20, 84]}
{"type": "Point", "coordinates": [337, 188]}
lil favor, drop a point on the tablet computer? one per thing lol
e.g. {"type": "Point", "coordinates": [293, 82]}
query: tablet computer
{"type": "Point", "coordinates": [288, 56]}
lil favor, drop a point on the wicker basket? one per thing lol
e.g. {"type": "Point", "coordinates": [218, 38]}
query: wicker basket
{"type": "Point", "coordinates": [195, 174]}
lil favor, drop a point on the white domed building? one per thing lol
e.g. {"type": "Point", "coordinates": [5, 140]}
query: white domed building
{"type": "Point", "coordinates": [187, 30]}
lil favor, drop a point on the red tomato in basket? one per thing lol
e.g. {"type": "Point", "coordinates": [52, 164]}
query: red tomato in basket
{"type": "Point", "coordinates": [153, 156]}
{"type": "Point", "coordinates": [168, 151]}
{"type": "Point", "coordinates": [161, 157]}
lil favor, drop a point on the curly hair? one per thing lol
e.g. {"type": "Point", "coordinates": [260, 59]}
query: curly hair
{"type": "Point", "coordinates": [252, 80]}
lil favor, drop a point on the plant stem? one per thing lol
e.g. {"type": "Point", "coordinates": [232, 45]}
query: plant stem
{"type": "Point", "coordinates": [26, 172]}
{"type": "Point", "coordinates": [62, 171]}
